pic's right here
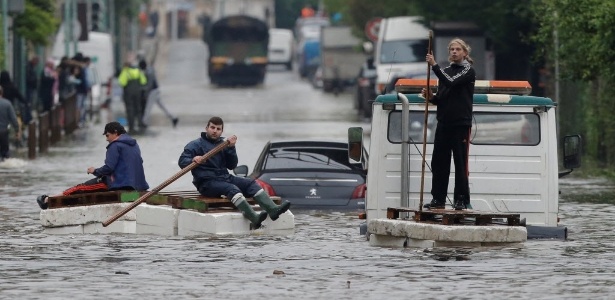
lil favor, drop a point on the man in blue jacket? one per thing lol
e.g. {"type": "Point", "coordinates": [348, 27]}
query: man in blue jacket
{"type": "Point", "coordinates": [212, 178]}
{"type": "Point", "coordinates": [123, 168]}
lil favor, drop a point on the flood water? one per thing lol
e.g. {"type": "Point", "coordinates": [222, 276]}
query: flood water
{"type": "Point", "coordinates": [325, 257]}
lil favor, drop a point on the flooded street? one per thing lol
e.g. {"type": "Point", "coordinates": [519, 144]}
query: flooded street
{"type": "Point", "coordinates": [325, 258]}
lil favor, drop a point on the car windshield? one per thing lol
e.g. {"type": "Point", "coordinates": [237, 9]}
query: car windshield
{"type": "Point", "coordinates": [407, 51]}
{"type": "Point", "coordinates": [307, 158]}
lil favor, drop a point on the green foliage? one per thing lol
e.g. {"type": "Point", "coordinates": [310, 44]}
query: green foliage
{"type": "Point", "coordinates": [128, 8]}
{"type": "Point", "coordinates": [287, 12]}
{"type": "Point", "coordinates": [37, 22]}
{"type": "Point", "coordinates": [583, 32]}
{"type": "Point", "coordinates": [359, 12]}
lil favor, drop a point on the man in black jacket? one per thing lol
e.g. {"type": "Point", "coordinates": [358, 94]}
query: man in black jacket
{"type": "Point", "coordinates": [454, 100]}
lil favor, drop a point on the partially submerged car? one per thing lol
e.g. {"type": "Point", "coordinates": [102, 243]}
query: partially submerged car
{"type": "Point", "coordinates": [310, 174]}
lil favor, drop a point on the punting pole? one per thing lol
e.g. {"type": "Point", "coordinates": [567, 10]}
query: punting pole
{"type": "Point", "coordinates": [157, 189]}
{"type": "Point", "coordinates": [427, 94]}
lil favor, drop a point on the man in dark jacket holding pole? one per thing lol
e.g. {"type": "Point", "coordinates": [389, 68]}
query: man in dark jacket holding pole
{"type": "Point", "coordinates": [212, 178]}
{"type": "Point", "coordinates": [123, 168]}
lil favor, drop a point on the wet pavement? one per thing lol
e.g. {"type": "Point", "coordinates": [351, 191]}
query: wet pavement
{"type": "Point", "coordinates": [325, 258]}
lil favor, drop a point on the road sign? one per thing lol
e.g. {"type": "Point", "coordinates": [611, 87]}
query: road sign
{"type": "Point", "coordinates": [371, 29]}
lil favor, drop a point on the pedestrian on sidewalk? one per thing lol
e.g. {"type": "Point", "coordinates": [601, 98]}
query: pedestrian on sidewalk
{"type": "Point", "coordinates": [31, 83]}
{"type": "Point", "coordinates": [47, 87]}
{"type": "Point", "coordinates": [11, 93]}
{"type": "Point", "coordinates": [152, 94]}
{"type": "Point", "coordinates": [123, 168]}
{"type": "Point", "coordinates": [7, 117]}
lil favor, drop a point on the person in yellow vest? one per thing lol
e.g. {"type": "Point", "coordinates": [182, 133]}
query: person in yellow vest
{"type": "Point", "coordinates": [133, 81]}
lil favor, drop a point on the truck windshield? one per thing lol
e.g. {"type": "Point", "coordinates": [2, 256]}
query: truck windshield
{"type": "Point", "coordinates": [406, 51]}
{"type": "Point", "coordinates": [487, 128]}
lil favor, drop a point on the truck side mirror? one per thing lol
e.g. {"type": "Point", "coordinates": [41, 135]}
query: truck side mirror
{"type": "Point", "coordinates": [572, 151]}
{"type": "Point", "coordinates": [355, 144]}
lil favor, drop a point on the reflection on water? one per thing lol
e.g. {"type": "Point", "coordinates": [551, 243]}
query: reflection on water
{"type": "Point", "coordinates": [325, 258]}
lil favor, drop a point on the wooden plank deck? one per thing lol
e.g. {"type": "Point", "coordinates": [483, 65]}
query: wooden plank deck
{"type": "Point", "coordinates": [179, 200]}
{"type": "Point", "coordinates": [452, 217]}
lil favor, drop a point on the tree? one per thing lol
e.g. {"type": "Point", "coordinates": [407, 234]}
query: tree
{"type": "Point", "coordinates": [37, 22]}
{"type": "Point", "coordinates": [585, 40]}
{"type": "Point", "coordinates": [506, 23]}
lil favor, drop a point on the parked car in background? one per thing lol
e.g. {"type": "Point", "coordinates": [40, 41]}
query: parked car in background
{"type": "Point", "coordinates": [366, 88]}
{"type": "Point", "coordinates": [281, 47]}
{"type": "Point", "coordinates": [310, 174]}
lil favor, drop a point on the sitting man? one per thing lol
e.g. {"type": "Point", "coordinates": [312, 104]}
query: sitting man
{"type": "Point", "coordinates": [212, 178]}
{"type": "Point", "coordinates": [123, 168]}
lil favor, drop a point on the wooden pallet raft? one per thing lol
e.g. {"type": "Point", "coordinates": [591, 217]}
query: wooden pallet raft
{"type": "Point", "coordinates": [452, 217]}
{"type": "Point", "coordinates": [92, 199]}
{"type": "Point", "coordinates": [180, 200]}
{"type": "Point", "coordinates": [206, 204]}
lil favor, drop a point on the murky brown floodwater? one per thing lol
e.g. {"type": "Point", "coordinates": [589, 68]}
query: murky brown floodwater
{"type": "Point", "coordinates": [326, 258]}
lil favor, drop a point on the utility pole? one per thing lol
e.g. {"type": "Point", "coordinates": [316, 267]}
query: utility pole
{"type": "Point", "coordinates": [174, 21]}
{"type": "Point", "coordinates": [73, 17]}
{"type": "Point", "coordinates": [5, 32]}
{"type": "Point", "coordinates": [67, 28]}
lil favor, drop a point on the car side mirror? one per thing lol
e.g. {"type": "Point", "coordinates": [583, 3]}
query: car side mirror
{"type": "Point", "coordinates": [355, 144]}
{"type": "Point", "coordinates": [241, 171]}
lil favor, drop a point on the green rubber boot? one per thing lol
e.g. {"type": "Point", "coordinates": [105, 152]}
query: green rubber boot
{"type": "Point", "coordinates": [269, 206]}
{"type": "Point", "coordinates": [246, 210]}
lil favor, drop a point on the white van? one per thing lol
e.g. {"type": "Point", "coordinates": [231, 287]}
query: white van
{"type": "Point", "coordinates": [400, 50]}
{"type": "Point", "coordinates": [281, 47]}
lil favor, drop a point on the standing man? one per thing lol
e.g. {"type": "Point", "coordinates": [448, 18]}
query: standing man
{"type": "Point", "coordinates": [31, 84]}
{"type": "Point", "coordinates": [123, 168]}
{"type": "Point", "coordinates": [133, 81]}
{"type": "Point", "coordinates": [47, 89]}
{"type": "Point", "coordinates": [7, 117]}
{"type": "Point", "coordinates": [454, 100]}
{"type": "Point", "coordinates": [81, 87]}
{"type": "Point", "coordinates": [212, 178]}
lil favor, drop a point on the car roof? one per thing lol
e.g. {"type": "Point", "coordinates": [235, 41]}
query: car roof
{"type": "Point", "coordinates": [308, 143]}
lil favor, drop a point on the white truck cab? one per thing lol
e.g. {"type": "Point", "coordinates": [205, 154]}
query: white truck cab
{"type": "Point", "coordinates": [400, 50]}
{"type": "Point", "coordinates": [513, 157]}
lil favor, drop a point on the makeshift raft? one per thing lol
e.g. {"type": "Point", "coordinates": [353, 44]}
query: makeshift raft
{"type": "Point", "coordinates": [183, 213]}
{"type": "Point", "coordinates": [444, 227]}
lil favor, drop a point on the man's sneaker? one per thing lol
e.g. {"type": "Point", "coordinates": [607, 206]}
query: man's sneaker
{"type": "Point", "coordinates": [434, 204]}
{"type": "Point", "coordinates": [459, 204]}
{"type": "Point", "coordinates": [175, 120]}
{"type": "Point", "coordinates": [41, 201]}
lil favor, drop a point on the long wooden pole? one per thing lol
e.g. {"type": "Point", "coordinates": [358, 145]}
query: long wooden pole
{"type": "Point", "coordinates": [427, 95]}
{"type": "Point", "coordinates": [157, 189]}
